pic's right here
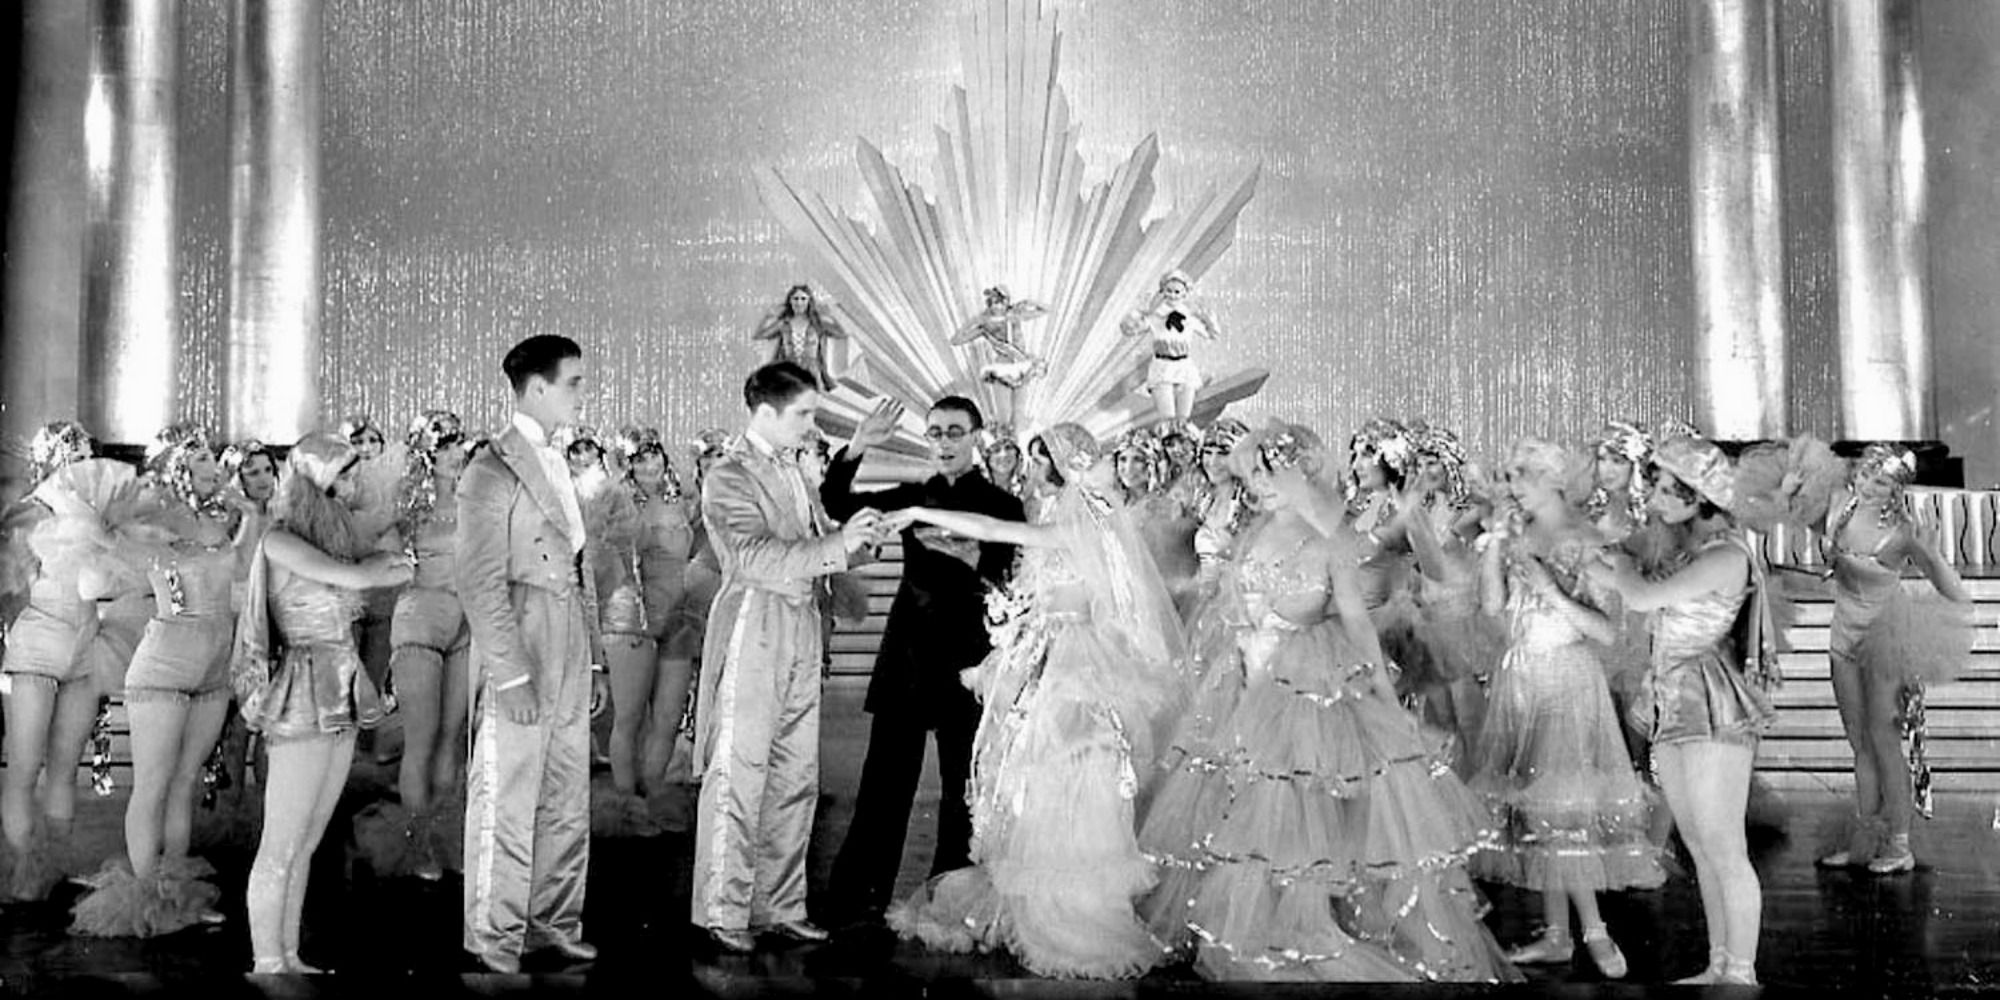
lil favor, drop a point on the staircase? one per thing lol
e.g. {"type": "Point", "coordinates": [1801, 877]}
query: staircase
{"type": "Point", "coordinates": [1807, 745]}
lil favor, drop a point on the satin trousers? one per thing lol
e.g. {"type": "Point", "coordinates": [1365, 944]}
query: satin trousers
{"type": "Point", "coordinates": [527, 797]}
{"type": "Point", "coordinates": [760, 779]}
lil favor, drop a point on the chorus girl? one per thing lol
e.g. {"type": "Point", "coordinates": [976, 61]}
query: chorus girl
{"type": "Point", "coordinates": [1174, 321]}
{"type": "Point", "coordinates": [1887, 645]}
{"type": "Point", "coordinates": [1302, 829]}
{"type": "Point", "coordinates": [1551, 757]}
{"type": "Point", "coordinates": [299, 678]}
{"type": "Point", "coordinates": [51, 695]}
{"type": "Point", "coordinates": [670, 538]}
{"type": "Point", "coordinates": [799, 330]}
{"type": "Point", "coordinates": [431, 642]}
{"type": "Point", "coordinates": [176, 693]}
{"type": "Point", "coordinates": [1702, 700]}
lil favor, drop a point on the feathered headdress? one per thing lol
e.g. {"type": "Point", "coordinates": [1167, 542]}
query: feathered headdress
{"type": "Point", "coordinates": [634, 443]}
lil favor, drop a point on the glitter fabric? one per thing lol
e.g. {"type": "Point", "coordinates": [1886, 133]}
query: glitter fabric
{"type": "Point", "coordinates": [1470, 212]}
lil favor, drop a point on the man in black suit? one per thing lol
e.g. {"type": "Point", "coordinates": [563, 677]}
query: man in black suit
{"type": "Point", "coordinates": [937, 627]}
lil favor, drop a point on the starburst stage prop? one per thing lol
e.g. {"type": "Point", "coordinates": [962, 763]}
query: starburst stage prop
{"type": "Point", "coordinates": [1012, 211]}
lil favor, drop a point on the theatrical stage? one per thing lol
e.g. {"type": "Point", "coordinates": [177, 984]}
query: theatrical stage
{"type": "Point", "coordinates": [1932, 932]}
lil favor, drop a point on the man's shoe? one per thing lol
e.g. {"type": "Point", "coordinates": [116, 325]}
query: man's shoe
{"type": "Point", "coordinates": [731, 940]}
{"type": "Point", "coordinates": [800, 930]}
{"type": "Point", "coordinates": [506, 965]}
{"type": "Point", "coordinates": [575, 951]}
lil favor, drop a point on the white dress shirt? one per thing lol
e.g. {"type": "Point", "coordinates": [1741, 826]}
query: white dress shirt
{"type": "Point", "coordinates": [556, 466]}
{"type": "Point", "coordinates": [793, 475]}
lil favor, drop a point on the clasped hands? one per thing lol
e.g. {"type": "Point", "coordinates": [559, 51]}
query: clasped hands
{"type": "Point", "coordinates": [869, 527]}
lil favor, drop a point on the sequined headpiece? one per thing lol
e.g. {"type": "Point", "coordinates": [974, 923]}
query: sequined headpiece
{"type": "Point", "coordinates": [433, 430]}
{"type": "Point", "coordinates": [1224, 434]}
{"type": "Point", "coordinates": [1176, 275]}
{"type": "Point", "coordinates": [1671, 428]}
{"type": "Point", "coordinates": [234, 456]}
{"type": "Point", "coordinates": [998, 436]}
{"type": "Point", "coordinates": [1889, 461]}
{"type": "Point", "coordinates": [998, 293]}
{"type": "Point", "coordinates": [634, 443]}
{"type": "Point", "coordinates": [1386, 441]}
{"type": "Point", "coordinates": [355, 426]}
{"type": "Point", "coordinates": [1628, 442]}
{"type": "Point", "coordinates": [575, 437]}
{"type": "Point", "coordinates": [1702, 466]}
{"type": "Point", "coordinates": [1441, 444]}
{"type": "Point", "coordinates": [1074, 449]}
{"type": "Point", "coordinates": [167, 459]}
{"type": "Point", "coordinates": [322, 457]}
{"type": "Point", "coordinates": [1283, 446]}
{"type": "Point", "coordinates": [55, 445]}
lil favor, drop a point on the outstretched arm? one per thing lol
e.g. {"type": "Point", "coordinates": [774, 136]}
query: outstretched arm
{"type": "Point", "coordinates": [289, 551]}
{"type": "Point", "coordinates": [978, 526]}
{"type": "Point", "coordinates": [1717, 570]}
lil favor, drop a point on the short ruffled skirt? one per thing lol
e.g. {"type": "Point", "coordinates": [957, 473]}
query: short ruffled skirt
{"type": "Point", "coordinates": [1553, 764]}
{"type": "Point", "coordinates": [1925, 638]}
{"type": "Point", "coordinates": [1700, 697]}
{"type": "Point", "coordinates": [319, 690]}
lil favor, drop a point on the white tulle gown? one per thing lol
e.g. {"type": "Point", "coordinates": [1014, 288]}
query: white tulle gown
{"type": "Point", "coordinates": [1086, 667]}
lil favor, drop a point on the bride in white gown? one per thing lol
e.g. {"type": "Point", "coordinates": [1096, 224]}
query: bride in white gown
{"type": "Point", "coordinates": [1086, 668]}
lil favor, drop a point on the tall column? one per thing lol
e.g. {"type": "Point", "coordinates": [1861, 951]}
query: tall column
{"type": "Point", "coordinates": [1738, 223]}
{"type": "Point", "coordinates": [1879, 209]}
{"type": "Point", "coordinates": [272, 383]}
{"type": "Point", "coordinates": [39, 334]}
{"type": "Point", "coordinates": [131, 312]}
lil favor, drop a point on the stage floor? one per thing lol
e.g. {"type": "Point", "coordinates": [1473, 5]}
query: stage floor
{"type": "Point", "coordinates": [1934, 931]}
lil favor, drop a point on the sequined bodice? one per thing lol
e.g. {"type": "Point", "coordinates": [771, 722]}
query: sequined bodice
{"type": "Point", "coordinates": [436, 547]}
{"type": "Point", "coordinates": [1535, 619]}
{"type": "Point", "coordinates": [1285, 592]}
{"type": "Point", "coordinates": [1697, 626]}
{"type": "Point", "coordinates": [665, 533]}
{"type": "Point", "coordinates": [196, 576]}
{"type": "Point", "coordinates": [310, 613]}
{"type": "Point", "coordinates": [1861, 575]}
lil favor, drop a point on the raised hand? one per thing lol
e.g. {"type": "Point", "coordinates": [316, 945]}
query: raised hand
{"type": "Point", "coordinates": [879, 426]}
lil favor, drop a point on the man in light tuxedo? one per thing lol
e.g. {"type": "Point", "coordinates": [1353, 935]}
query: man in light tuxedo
{"type": "Point", "coordinates": [533, 612]}
{"type": "Point", "coordinates": [757, 739]}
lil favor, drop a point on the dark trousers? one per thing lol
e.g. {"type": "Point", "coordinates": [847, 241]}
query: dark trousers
{"type": "Point", "coordinates": [864, 873]}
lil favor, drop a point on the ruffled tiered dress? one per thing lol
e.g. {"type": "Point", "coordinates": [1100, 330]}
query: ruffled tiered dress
{"type": "Point", "coordinates": [1552, 759]}
{"type": "Point", "coordinates": [1070, 700]}
{"type": "Point", "coordinates": [1310, 834]}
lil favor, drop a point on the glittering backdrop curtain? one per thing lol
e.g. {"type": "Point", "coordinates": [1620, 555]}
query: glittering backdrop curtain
{"type": "Point", "coordinates": [1475, 212]}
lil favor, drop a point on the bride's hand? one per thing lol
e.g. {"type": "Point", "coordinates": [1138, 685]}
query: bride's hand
{"type": "Point", "coordinates": [896, 521]}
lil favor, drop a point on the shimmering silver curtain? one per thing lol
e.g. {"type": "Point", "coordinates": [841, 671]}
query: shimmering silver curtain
{"type": "Point", "coordinates": [1475, 212]}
